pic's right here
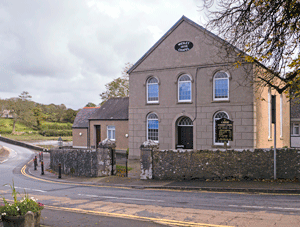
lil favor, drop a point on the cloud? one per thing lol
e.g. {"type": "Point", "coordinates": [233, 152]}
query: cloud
{"type": "Point", "coordinates": [65, 51]}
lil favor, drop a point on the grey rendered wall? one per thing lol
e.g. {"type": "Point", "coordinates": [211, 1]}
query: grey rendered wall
{"type": "Point", "coordinates": [167, 65]}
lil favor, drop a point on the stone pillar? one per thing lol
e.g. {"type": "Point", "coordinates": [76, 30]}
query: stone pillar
{"type": "Point", "coordinates": [146, 159]}
{"type": "Point", "coordinates": [106, 158]}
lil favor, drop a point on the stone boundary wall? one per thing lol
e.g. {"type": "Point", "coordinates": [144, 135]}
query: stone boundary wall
{"type": "Point", "coordinates": [84, 162]}
{"type": "Point", "coordinates": [230, 164]}
{"type": "Point", "coordinates": [22, 144]}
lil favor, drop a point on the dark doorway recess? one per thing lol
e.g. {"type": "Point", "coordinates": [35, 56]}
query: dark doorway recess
{"type": "Point", "coordinates": [98, 135]}
{"type": "Point", "coordinates": [185, 133]}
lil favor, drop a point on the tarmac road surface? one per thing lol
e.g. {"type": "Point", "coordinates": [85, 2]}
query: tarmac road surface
{"type": "Point", "coordinates": [171, 207]}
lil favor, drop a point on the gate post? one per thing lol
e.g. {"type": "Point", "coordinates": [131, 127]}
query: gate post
{"type": "Point", "coordinates": [106, 158]}
{"type": "Point", "coordinates": [147, 159]}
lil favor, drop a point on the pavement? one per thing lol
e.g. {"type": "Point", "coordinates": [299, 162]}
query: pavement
{"type": "Point", "coordinates": [133, 181]}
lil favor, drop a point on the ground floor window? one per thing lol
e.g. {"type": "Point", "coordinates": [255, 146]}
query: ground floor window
{"type": "Point", "coordinates": [152, 127]}
{"type": "Point", "coordinates": [111, 132]}
{"type": "Point", "coordinates": [184, 133]}
{"type": "Point", "coordinates": [295, 129]}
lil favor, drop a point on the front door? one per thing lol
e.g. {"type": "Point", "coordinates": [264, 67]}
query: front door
{"type": "Point", "coordinates": [98, 135]}
{"type": "Point", "coordinates": [185, 136]}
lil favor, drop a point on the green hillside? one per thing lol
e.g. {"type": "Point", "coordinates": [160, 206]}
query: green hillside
{"type": "Point", "coordinates": [47, 131]}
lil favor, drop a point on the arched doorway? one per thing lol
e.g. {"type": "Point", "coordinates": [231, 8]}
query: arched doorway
{"type": "Point", "coordinates": [185, 133]}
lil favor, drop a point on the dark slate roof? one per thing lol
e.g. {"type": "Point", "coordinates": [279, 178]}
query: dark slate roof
{"type": "Point", "coordinates": [295, 108]}
{"type": "Point", "coordinates": [82, 117]}
{"type": "Point", "coordinates": [112, 109]}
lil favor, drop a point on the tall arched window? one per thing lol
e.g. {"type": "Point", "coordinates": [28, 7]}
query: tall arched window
{"type": "Point", "coordinates": [218, 116]}
{"type": "Point", "coordinates": [184, 88]}
{"type": "Point", "coordinates": [221, 86]}
{"type": "Point", "coordinates": [152, 127]}
{"type": "Point", "coordinates": [152, 90]}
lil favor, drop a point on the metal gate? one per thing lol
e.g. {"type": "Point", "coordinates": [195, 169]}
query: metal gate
{"type": "Point", "coordinates": [121, 163]}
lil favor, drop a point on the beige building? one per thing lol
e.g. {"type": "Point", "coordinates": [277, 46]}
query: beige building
{"type": "Point", "coordinates": [110, 121]}
{"type": "Point", "coordinates": [186, 82]}
{"type": "Point", "coordinates": [80, 127]}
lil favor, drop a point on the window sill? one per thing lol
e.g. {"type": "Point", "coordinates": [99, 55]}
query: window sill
{"type": "Point", "coordinates": [220, 146]}
{"type": "Point", "coordinates": [152, 103]}
{"type": "Point", "coordinates": [184, 102]}
{"type": "Point", "coordinates": [270, 139]}
{"type": "Point", "coordinates": [218, 101]}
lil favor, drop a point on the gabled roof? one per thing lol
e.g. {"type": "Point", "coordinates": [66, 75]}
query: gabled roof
{"type": "Point", "coordinates": [112, 109]}
{"type": "Point", "coordinates": [181, 20]}
{"type": "Point", "coordinates": [82, 117]}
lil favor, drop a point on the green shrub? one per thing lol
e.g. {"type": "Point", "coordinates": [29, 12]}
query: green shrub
{"type": "Point", "coordinates": [52, 132]}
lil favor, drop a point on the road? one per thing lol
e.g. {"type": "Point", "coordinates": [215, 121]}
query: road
{"type": "Point", "coordinates": [175, 208]}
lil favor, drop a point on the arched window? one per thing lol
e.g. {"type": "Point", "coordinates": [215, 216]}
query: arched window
{"type": "Point", "coordinates": [152, 127]}
{"type": "Point", "coordinates": [184, 133]}
{"type": "Point", "coordinates": [218, 116]}
{"type": "Point", "coordinates": [185, 88]}
{"type": "Point", "coordinates": [221, 86]}
{"type": "Point", "coordinates": [152, 90]}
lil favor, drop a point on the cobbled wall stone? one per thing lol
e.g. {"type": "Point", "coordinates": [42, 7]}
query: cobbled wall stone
{"type": "Point", "coordinates": [230, 164]}
{"type": "Point", "coordinates": [79, 162]}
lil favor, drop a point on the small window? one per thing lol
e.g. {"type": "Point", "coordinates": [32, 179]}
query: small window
{"type": "Point", "coordinates": [221, 86]}
{"type": "Point", "coordinates": [218, 116]}
{"type": "Point", "coordinates": [184, 88]}
{"type": "Point", "coordinates": [296, 129]}
{"type": "Point", "coordinates": [152, 127]}
{"type": "Point", "coordinates": [111, 132]}
{"type": "Point", "coordinates": [152, 90]}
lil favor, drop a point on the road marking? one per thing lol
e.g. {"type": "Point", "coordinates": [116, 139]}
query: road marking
{"type": "Point", "coordinates": [23, 171]}
{"type": "Point", "coordinates": [117, 215]}
{"type": "Point", "coordinates": [37, 190]}
{"type": "Point", "coordinates": [122, 198]}
{"type": "Point", "coordinates": [265, 207]}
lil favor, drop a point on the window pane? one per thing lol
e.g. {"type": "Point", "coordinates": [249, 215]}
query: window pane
{"type": "Point", "coordinates": [221, 88]}
{"type": "Point", "coordinates": [111, 132]}
{"type": "Point", "coordinates": [296, 129]}
{"type": "Point", "coordinates": [152, 92]}
{"type": "Point", "coordinates": [185, 91]}
{"type": "Point", "coordinates": [153, 130]}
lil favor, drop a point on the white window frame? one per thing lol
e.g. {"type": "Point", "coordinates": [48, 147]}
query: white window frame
{"type": "Point", "coordinates": [112, 130]}
{"type": "Point", "coordinates": [147, 86]}
{"type": "Point", "coordinates": [214, 128]}
{"type": "Point", "coordinates": [214, 86]}
{"type": "Point", "coordinates": [147, 122]}
{"type": "Point", "coordinates": [182, 82]}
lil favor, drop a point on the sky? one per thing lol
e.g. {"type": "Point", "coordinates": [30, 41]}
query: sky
{"type": "Point", "coordinates": [65, 51]}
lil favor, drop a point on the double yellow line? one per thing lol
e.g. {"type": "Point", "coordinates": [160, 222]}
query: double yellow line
{"type": "Point", "coordinates": [128, 216]}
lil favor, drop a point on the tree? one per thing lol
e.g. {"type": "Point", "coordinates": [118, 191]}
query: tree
{"type": "Point", "coordinates": [118, 87]}
{"type": "Point", "coordinates": [21, 108]}
{"type": "Point", "coordinates": [90, 104]}
{"type": "Point", "coordinates": [267, 31]}
{"type": "Point", "coordinates": [69, 115]}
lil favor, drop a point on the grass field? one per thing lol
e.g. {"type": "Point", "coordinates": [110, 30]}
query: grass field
{"type": "Point", "coordinates": [24, 133]}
